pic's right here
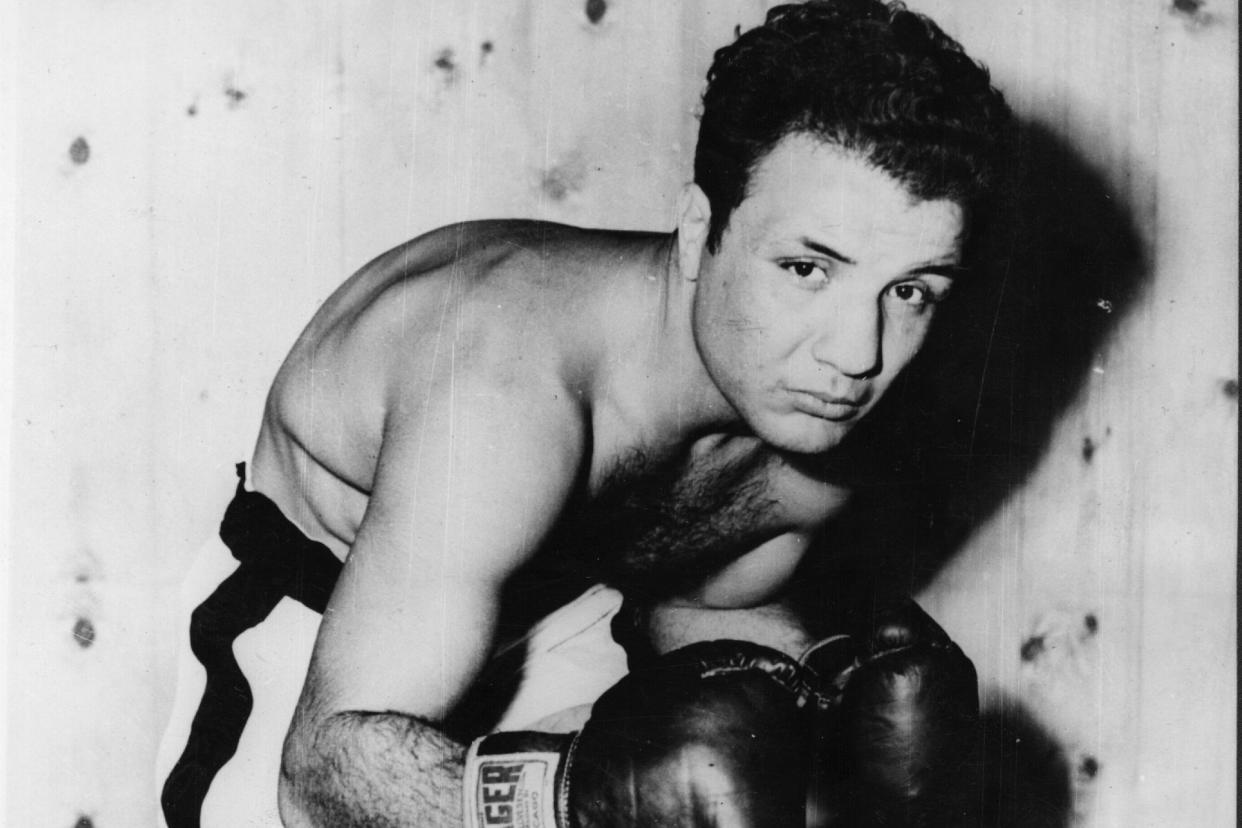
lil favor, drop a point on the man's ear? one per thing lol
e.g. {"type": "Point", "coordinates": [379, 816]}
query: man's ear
{"type": "Point", "coordinates": [694, 218]}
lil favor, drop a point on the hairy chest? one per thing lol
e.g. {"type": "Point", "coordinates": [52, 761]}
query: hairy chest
{"type": "Point", "coordinates": [663, 526]}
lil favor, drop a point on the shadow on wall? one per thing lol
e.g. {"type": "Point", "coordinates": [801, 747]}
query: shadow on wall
{"type": "Point", "coordinates": [1057, 264]}
{"type": "Point", "coordinates": [1025, 773]}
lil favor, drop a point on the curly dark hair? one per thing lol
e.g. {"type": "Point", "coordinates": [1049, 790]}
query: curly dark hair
{"type": "Point", "coordinates": [868, 76]}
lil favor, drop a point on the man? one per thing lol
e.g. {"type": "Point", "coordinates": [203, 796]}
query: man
{"type": "Point", "coordinates": [486, 419]}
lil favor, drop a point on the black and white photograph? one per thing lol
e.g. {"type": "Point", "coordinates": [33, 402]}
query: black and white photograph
{"type": "Point", "coordinates": [619, 413]}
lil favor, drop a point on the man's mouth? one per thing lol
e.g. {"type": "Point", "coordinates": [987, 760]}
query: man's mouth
{"type": "Point", "coordinates": [829, 406]}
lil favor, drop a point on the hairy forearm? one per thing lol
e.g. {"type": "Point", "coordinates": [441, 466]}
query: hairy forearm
{"type": "Point", "coordinates": [378, 770]}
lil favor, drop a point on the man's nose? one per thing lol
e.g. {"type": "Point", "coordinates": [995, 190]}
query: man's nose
{"type": "Point", "coordinates": [850, 340]}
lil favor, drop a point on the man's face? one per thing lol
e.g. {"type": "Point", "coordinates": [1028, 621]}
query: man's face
{"type": "Point", "coordinates": [822, 289]}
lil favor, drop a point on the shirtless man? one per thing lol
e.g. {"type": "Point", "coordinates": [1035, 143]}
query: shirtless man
{"type": "Point", "coordinates": [655, 411]}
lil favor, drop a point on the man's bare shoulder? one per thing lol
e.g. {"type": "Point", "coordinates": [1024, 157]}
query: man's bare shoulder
{"type": "Point", "coordinates": [511, 248]}
{"type": "Point", "coordinates": [510, 275]}
{"type": "Point", "coordinates": [506, 296]}
{"type": "Point", "coordinates": [553, 263]}
{"type": "Point", "coordinates": [527, 306]}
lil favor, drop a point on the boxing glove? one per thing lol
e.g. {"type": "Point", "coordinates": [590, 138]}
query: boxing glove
{"type": "Point", "coordinates": [897, 743]}
{"type": "Point", "coordinates": [717, 733]}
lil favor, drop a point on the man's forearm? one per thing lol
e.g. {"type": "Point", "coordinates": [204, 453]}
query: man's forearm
{"type": "Point", "coordinates": [372, 769]}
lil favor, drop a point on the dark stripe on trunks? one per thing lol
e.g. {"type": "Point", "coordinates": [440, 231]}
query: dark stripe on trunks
{"type": "Point", "coordinates": [277, 561]}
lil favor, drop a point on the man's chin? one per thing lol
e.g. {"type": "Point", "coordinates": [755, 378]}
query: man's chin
{"type": "Point", "coordinates": [805, 434]}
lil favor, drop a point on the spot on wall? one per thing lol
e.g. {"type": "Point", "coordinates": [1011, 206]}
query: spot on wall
{"type": "Point", "coordinates": [1192, 11]}
{"type": "Point", "coordinates": [235, 96]}
{"type": "Point", "coordinates": [1089, 767]}
{"type": "Point", "coordinates": [191, 110]}
{"type": "Point", "coordinates": [1230, 388]}
{"type": "Point", "coordinates": [84, 632]}
{"type": "Point", "coordinates": [485, 49]}
{"type": "Point", "coordinates": [1088, 449]}
{"type": "Point", "coordinates": [560, 180]}
{"type": "Point", "coordinates": [1091, 623]}
{"type": "Point", "coordinates": [86, 568]}
{"type": "Point", "coordinates": [79, 151]}
{"type": "Point", "coordinates": [446, 65]}
{"type": "Point", "coordinates": [596, 9]}
{"type": "Point", "coordinates": [1032, 648]}
{"type": "Point", "coordinates": [84, 822]}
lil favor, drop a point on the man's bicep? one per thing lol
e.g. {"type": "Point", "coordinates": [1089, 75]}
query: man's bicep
{"type": "Point", "coordinates": [464, 494]}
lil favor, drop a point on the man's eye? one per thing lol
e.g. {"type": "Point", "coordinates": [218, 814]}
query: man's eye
{"type": "Point", "coordinates": [805, 270]}
{"type": "Point", "coordinates": [913, 294]}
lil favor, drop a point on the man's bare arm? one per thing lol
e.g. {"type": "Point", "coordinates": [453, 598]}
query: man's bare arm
{"type": "Point", "coordinates": [364, 756]}
{"type": "Point", "coordinates": [464, 493]}
{"type": "Point", "coordinates": [672, 626]}
{"type": "Point", "coordinates": [744, 602]}
{"type": "Point", "coordinates": [376, 769]}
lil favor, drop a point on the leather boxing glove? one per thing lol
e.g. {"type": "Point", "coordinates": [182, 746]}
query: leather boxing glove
{"type": "Point", "coordinates": [898, 750]}
{"type": "Point", "coordinates": [719, 733]}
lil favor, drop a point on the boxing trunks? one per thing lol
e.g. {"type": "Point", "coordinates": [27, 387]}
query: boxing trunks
{"type": "Point", "coordinates": [251, 607]}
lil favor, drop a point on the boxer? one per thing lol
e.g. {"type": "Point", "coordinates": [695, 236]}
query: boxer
{"type": "Point", "coordinates": [493, 417]}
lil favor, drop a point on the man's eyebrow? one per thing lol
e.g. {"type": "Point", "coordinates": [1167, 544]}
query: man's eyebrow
{"type": "Point", "coordinates": [826, 250]}
{"type": "Point", "coordinates": [950, 270]}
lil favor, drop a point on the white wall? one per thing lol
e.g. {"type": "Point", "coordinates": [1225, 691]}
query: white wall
{"type": "Point", "coordinates": [1139, 533]}
{"type": "Point", "coordinates": [238, 159]}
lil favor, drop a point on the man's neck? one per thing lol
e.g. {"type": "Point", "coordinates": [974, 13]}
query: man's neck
{"type": "Point", "coordinates": [676, 395]}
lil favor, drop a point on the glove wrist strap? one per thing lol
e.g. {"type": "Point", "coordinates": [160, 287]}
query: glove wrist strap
{"type": "Point", "coordinates": [518, 780]}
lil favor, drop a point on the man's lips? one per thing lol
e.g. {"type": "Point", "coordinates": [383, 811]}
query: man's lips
{"type": "Point", "coordinates": [829, 406]}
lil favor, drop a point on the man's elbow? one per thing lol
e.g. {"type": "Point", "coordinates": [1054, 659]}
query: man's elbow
{"type": "Point", "coordinates": [293, 813]}
{"type": "Point", "coordinates": [353, 769]}
{"type": "Point", "coordinates": [299, 769]}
